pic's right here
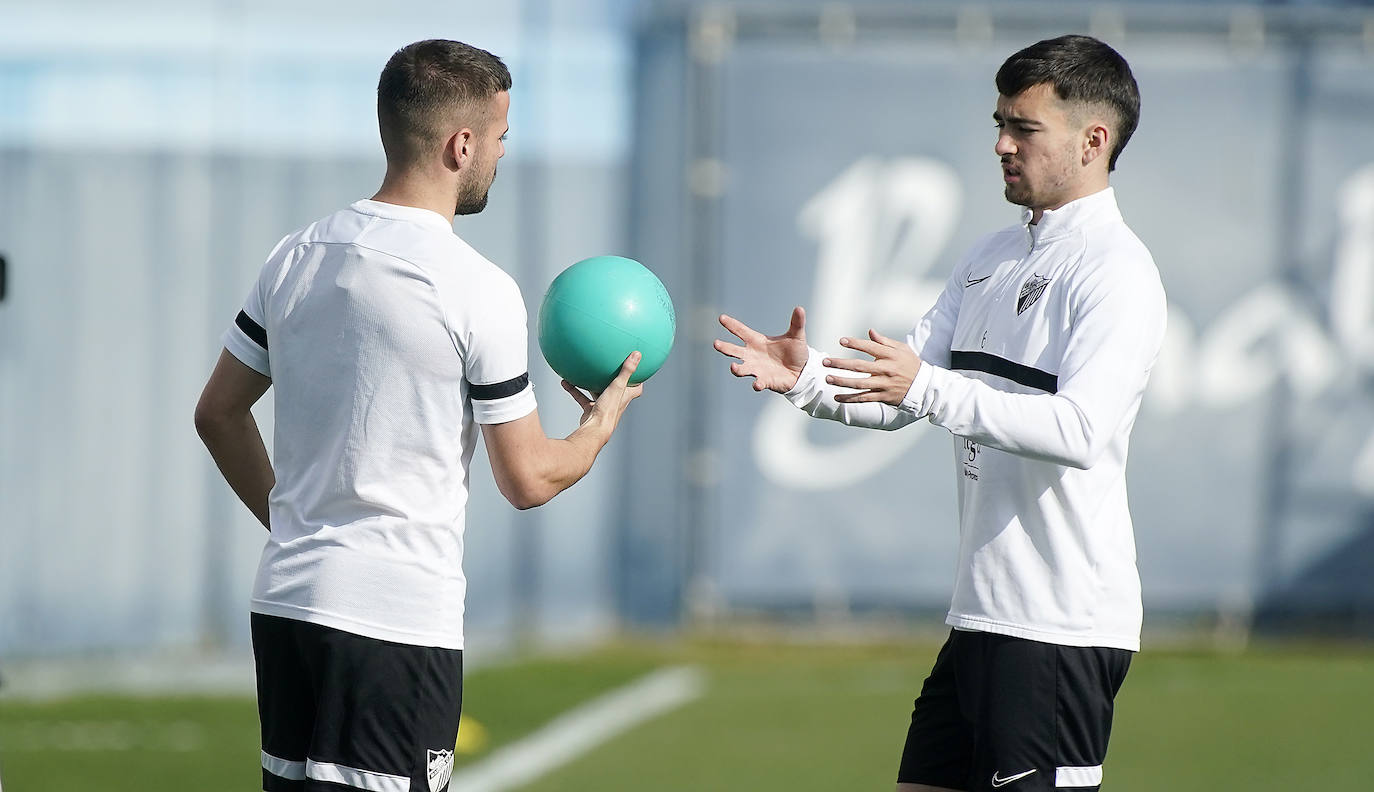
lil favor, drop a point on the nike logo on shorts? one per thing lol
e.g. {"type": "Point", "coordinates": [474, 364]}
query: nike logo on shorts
{"type": "Point", "coordinates": [1001, 782]}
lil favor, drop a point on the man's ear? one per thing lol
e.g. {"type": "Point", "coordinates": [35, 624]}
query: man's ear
{"type": "Point", "coordinates": [458, 149]}
{"type": "Point", "coordinates": [1097, 142]}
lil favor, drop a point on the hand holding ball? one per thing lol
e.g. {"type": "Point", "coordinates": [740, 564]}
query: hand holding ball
{"type": "Point", "coordinates": [596, 313]}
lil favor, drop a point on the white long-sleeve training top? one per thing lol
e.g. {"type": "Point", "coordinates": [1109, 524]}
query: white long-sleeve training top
{"type": "Point", "coordinates": [1035, 358]}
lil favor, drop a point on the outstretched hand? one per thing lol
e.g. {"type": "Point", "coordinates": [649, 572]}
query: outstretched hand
{"type": "Point", "coordinates": [775, 362]}
{"type": "Point", "coordinates": [609, 405]}
{"type": "Point", "coordinates": [890, 372]}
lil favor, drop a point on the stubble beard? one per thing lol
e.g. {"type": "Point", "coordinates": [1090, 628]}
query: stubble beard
{"type": "Point", "coordinates": [472, 198]}
{"type": "Point", "coordinates": [1019, 194]}
{"type": "Point", "coordinates": [1023, 193]}
{"type": "Point", "coordinates": [470, 205]}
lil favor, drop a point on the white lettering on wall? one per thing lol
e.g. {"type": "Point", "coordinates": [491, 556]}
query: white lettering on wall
{"type": "Point", "coordinates": [880, 228]}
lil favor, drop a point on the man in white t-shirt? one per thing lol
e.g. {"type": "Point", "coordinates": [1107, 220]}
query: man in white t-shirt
{"type": "Point", "coordinates": [1034, 358]}
{"type": "Point", "coordinates": [389, 341]}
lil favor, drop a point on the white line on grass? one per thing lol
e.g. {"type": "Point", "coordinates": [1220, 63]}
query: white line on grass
{"type": "Point", "coordinates": [581, 729]}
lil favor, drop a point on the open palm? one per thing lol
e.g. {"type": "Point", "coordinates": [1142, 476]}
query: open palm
{"type": "Point", "coordinates": [774, 362]}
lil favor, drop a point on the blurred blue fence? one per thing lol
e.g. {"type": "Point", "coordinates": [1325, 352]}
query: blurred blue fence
{"type": "Point", "coordinates": [756, 156]}
{"type": "Point", "coordinates": [840, 157]}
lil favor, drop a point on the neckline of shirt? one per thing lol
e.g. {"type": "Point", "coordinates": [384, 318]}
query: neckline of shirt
{"type": "Point", "coordinates": [390, 211]}
{"type": "Point", "coordinates": [1072, 215]}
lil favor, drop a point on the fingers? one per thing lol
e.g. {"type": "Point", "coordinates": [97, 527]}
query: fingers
{"type": "Point", "coordinates": [857, 383]}
{"type": "Point", "coordinates": [742, 370]}
{"type": "Point", "coordinates": [871, 348]}
{"type": "Point", "coordinates": [582, 400]}
{"type": "Point", "coordinates": [796, 326]}
{"type": "Point", "coordinates": [622, 378]}
{"type": "Point", "coordinates": [737, 328]}
{"type": "Point", "coordinates": [628, 367]}
{"type": "Point", "coordinates": [852, 364]}
{"type": "Point", "coordinates": [612, 401]}
{"type": "Point", "coordinates": [881, 338]}
{"type": "Point", "coordinates": [728, 349]}
{"type": "Point", "coordinates": [861, 396]}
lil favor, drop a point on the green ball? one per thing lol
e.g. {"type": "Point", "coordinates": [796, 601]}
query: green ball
{"type": "Point", "coordinates": [596, 313]}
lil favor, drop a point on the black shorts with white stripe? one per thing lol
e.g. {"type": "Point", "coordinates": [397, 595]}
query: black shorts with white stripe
{"type": "Point", "coordinates": [343, 711]}
{"type": "Point", "coordinates": [1010, 714]}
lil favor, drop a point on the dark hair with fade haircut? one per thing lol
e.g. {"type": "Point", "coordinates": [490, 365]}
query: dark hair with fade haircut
{"type": "Point", "coordinates": [428, 81]}
{"type": "Point", "coordinates": [1081, 69]}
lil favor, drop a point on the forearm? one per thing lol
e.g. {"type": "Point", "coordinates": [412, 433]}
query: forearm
{"type": "Point", "coordinates": [813, 396]}
{"type": "Point", "coordinates": [530, 469]}
{"type": "Point", "coordinates": [236, 446]}
{"type": "Point", "coordinates": [571, 458]}
{"type": "Point", "coordinates": [1049, 427]}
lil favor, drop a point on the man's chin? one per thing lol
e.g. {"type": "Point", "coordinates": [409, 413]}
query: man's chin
{"type": "Point", "coordinates": [471, 207]}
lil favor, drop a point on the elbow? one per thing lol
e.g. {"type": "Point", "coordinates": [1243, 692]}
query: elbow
{"type": "Point", "coordinates": [1083, 441]}
{"type": "Point", "coordinates": [1085, 453]}
{"type": "Point", "coordinates": [525, 502]}
{"type": "Point", "coordinates": [530, 501]}
{"type": "Point", "coordinates": [207, 419]}
{"type": "Point", "coordinates": [526, 495]}
{"type": "Point", "coordinates": [530, 476]}
{"type": "Point", "coordinates": [1078, 461]}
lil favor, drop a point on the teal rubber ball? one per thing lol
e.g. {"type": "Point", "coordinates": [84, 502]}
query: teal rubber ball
{"type": "Point", "coordinates": [596, 313]}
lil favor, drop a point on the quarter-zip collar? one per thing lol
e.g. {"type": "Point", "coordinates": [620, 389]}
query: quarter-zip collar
{"type": "Point", "coordinates": [1071, 216]}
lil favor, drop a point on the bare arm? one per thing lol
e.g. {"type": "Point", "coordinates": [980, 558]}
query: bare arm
{"type": "Point", "coordinates": [530, 468]}
{"type": "Point", "coordinates": [224, 421]}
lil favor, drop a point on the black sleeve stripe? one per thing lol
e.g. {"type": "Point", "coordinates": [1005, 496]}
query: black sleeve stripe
{"type": "Point", "coordinates": [252, 329]}
{"type": "Point", "coordinates": [1001, 367]}
{"type": "Point", "coordinates": [498, 390]}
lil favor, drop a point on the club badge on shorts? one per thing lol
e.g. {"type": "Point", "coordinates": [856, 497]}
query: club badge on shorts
{"type": "Point", "coordinates": [439, 767]}
{"type": "Point", "coordinates": [1030, 292]}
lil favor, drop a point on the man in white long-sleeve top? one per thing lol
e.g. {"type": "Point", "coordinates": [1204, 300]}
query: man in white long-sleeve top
{"type": "Point", "coordinates": [1035, 358]}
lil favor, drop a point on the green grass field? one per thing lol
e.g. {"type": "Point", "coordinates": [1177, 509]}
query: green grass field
{"type": "Point", "coordinates": [774, 717]}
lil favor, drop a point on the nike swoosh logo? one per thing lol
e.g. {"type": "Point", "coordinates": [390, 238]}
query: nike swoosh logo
{"type": "Point", "coordinates": [1001, 782]}
{"type": "Point", "coordinates": [973, 282]}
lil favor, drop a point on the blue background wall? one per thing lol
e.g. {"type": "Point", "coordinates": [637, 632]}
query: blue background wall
{"type": "Point", "coordinates": [756, 157]}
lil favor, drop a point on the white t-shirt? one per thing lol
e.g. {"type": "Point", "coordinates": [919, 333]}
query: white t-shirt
{"type": "Point", "coordinates": [1035, 358]}
{"type": "Point", "coordinates": [387, 339]}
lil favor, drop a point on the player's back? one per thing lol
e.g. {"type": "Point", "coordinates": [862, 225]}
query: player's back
{"type": "Point", "coordinates": [368, 381]}
{"type": "Point", "coordinates": [365, 315]}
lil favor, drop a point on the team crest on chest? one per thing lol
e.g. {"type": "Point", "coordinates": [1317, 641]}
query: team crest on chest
{"type": "Point", "coordinates": [440, 768]}
{"type": "Point", "coordinates": [1030, 292]}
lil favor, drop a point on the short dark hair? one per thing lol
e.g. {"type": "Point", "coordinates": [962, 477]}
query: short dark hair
{"type": "Point", "coordinates": [429, 82]}
{"type": "Point", "coordinates": [1081, 69]}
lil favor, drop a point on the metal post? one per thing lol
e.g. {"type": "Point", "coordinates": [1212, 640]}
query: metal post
{"type": "Point", "coordinates": [1278, 474]}
{"type": "Point", "coordinates": [531, 248]}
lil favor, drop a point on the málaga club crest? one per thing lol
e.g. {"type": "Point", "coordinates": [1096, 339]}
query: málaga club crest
{"type": "Point", "coordinates": [439, 766]}
{"type": "Point", "coordinates": [1030, 292]}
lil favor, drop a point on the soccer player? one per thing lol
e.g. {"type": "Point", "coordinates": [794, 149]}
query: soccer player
{"type": "Point", "coordinates": [1034, 357]}
{"type": "Point", "coordinates": [389, 341]}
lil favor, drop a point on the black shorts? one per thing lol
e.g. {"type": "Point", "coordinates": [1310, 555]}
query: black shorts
{"type": "Point", "coordinates": [1007, 713]}
{"type": "Point", "coordinates": [342, 711]}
